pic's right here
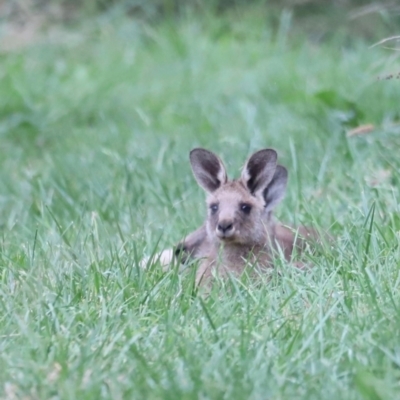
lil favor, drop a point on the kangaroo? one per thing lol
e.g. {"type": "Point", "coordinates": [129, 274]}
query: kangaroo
{"type": "Point", "coordinates": [240, 228]}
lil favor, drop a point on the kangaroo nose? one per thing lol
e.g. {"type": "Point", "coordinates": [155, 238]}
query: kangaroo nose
{"type": "Point", "coordinates": [225, 226]}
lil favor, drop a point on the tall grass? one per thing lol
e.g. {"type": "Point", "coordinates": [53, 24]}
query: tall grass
{"type": "Point", "coordinates": [95, 134]}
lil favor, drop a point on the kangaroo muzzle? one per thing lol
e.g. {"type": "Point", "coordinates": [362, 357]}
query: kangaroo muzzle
{"type": "Point", "coordinates": [225, 229]}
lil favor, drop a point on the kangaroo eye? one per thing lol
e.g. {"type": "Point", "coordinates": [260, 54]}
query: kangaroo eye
{"type": "Point", "coordinates": [214, 208]}
{"type": "Point", "coordinates": [246, 208]}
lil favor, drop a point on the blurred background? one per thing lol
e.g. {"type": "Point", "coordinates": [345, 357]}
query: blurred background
{"type": "Point", "coordinates": [101, 101]}
{"type": "Point", "coordinates": [320, 19]}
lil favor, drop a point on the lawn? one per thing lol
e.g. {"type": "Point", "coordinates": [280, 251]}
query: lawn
{"type": "Point", "coordinates": [96, 123]}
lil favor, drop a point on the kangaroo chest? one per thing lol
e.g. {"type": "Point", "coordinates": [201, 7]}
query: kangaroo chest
{"type": "Point", "coordinates": [233, 259]}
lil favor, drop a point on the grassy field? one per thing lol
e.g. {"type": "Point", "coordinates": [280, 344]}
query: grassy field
{"type": "Point", "coordinates": [95, 129]}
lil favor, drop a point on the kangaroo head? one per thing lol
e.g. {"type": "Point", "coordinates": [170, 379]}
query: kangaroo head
{"type": "Point", "coordinates": [239, 210]}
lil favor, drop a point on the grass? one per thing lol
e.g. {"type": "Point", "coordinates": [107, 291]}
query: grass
{"type": "Point", "coordinates": [95, 132]}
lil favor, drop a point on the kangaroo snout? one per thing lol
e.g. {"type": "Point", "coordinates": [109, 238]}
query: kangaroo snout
{"type": "Point", "coordinates": [225, 229]}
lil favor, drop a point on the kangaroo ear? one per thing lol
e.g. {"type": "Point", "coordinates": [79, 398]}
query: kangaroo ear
{"type": "Point", "coordinates": [275, 191]}
{"type": "Point", "coordinates": [259, 170]}
{"type": "Point", "coordinates": [208, 169]}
